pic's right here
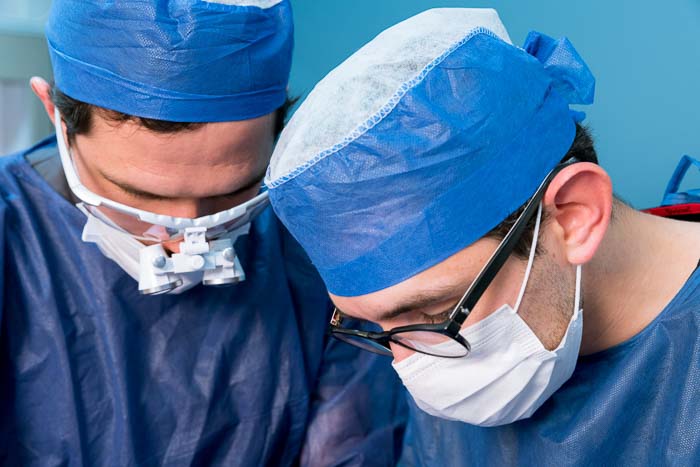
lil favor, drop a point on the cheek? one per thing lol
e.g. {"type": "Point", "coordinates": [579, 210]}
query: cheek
{"type": "Point", "coordinates": [503, 290]}
{"type": "Point", "coordinates": [548, 302]}
{"type": "Point", "coordinates": [400, 353]}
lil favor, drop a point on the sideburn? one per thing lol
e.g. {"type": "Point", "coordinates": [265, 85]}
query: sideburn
{"type": "Point", "coordinates": [548, 303]}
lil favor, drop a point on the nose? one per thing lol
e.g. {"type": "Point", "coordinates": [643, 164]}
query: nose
{"type": "Point", "coordinates": [172, 246]}
{"type": "Point", "coordinates": [400, 352]}
{"type": "Point", "coordinates": [161, 235]}
{"type": "Point", "coordinates": [190, 209]}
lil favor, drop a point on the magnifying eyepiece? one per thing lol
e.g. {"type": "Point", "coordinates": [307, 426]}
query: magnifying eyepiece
{"type": "Point", "coordinates": [161, 289]}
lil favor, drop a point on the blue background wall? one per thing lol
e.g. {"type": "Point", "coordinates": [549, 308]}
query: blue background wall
{"type": "Point", "coordinates": [645, 56]}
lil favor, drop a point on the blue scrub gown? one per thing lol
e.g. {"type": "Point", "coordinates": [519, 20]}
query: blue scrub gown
{"type": "Point", "coordinates": [92, 373]}
{"type": "Point", "coordinates": [636, 404]}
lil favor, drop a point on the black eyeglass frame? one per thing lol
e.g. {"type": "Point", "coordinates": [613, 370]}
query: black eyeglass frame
{"type": "Point", "coordinates": [452, 326]}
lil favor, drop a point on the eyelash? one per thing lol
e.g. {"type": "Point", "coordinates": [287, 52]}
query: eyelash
{"type": "Point", "coordinates": [439, 318]}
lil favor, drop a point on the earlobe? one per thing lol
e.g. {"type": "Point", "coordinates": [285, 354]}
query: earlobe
{"type": "Point", "coordinates": [579, 201]}
{"type": "Point", "coordinates": [42, 89]}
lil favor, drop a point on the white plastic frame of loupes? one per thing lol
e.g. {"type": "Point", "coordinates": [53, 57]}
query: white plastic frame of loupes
{"type": "Point", "coordinates": [88, 197]}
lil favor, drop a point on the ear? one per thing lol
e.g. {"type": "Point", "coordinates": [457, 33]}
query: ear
{"type": "Point", "coordinates": [42, 89]}
{"type": "Point", "coordinates": [579, 203]}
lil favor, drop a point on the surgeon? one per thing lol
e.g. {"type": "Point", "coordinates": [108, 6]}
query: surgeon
{"type": "Point", "coordinates": [154, 311]}
{"type": "Point", "coordinates": [534, 318]}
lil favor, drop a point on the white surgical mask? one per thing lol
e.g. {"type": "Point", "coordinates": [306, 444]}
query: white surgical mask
{"type": "Point", "coordinates": [507, 375]}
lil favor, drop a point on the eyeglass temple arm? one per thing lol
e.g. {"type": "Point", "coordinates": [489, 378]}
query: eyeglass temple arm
{"type": "Point", "coordinates": [489, 271]}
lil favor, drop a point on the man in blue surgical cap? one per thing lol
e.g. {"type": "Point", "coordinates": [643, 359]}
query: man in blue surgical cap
{"type": "Point", "coordinates": [534, 319]}
{"type": "Point", "coordinates": [154, 311]}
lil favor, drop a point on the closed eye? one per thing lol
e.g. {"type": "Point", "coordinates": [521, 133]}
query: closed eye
{"type": "Point", "coordinates": [438, 318]}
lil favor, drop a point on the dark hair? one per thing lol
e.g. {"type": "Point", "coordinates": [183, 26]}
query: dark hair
{"type": "Point", "coordinates": [582, 148]}
{"type": "Point", "coordinates": [78, 116]}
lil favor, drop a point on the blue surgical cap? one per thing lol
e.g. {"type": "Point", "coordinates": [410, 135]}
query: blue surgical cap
{"type": "Point", "coordinates": [185, 60]}
{"type": "Point", "coordinates": [422, 142]}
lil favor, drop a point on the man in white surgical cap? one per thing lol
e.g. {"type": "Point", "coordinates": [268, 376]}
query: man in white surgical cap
{"type": "Point", "coordinates": [452, 202]}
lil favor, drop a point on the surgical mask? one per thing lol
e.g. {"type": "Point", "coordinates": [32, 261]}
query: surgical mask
{"type": "Point", "coordinates": [508, 374]}
{"type": "Point", "coordinates": [154, 270]}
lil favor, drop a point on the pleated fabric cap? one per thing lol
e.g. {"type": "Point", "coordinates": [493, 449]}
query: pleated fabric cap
{"type": "Point", "coordinates": [174, 60]}
{"type": "Point", "coordinates": [421, 142]}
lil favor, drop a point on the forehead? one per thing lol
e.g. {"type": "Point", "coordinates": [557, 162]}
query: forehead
{"type": "Point", "coordinates": [178, 163]}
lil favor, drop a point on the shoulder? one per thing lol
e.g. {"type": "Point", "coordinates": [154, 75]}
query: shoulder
{"type": "Point", "coordinates": [686, 303]}
{"type": "Point", "coordinates": [271, 240]}
{"type": "Point", "coordinates": [15, 168]}
{"type": "Point", "coordinates": [270, 245]}
{"type": "Point", "coordinates": [11, 177]}
{"type": "Point", "coordinates": [303, 278]}
{"type": "Point", "coordinates": [24, 194]}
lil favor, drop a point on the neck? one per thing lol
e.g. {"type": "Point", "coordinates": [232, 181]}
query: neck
{"type": "Point", "coordinates": [641, 265]}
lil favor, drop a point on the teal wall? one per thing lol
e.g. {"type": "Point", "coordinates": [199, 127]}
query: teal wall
{"type": "Point", "coordinates": [23, 54]}
{"type": "Point", "coordinates": [645, 55]}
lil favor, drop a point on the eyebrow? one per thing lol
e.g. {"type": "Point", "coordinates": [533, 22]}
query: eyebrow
{"type": "Point", "coordinates": [132, 190]}
{"type": "Point", "coordinates": [418, 302]}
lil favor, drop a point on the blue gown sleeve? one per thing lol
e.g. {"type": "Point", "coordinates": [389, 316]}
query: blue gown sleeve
{"type": "Point", "coordinates": [358, 412]}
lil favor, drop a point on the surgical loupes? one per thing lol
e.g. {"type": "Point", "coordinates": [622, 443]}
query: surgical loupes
{"type": "Point", "coordinates": [217, 260]}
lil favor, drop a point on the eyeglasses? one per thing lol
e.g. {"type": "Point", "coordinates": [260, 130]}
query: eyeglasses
{"type": "Point", "coordinates": [443, 339]}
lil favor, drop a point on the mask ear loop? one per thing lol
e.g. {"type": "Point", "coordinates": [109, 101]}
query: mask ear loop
{"type": "Point", "coordinates": [531, 260]}
{"type": "Point", "coordinates": [577, 298]}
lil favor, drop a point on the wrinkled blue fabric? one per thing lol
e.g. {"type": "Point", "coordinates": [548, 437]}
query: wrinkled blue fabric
{"type": "Point", "coordinates": [185, 61]}
{"type": "Point", "coordinates": [454, 152]}
{"type": "Point", "coordinates": [572, 79]}
{"type": "Point", "coordinates": [92, 373]}
{"type": "Point", "coordinates": [631, 405]}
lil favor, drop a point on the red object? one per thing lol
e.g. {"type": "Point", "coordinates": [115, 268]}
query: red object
{"type": "Point", "coordinates": [689, 211]}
